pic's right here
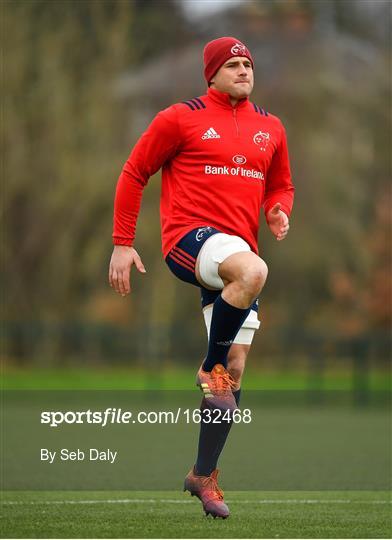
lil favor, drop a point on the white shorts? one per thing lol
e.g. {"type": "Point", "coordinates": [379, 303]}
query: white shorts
{"type": "Point", "coordinates": [214, 251]}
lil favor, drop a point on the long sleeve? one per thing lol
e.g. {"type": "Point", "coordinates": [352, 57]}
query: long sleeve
{"type": "Point", "coordinates": [158, 144]}
{"type": "Point", "coordinates": [279, 187]}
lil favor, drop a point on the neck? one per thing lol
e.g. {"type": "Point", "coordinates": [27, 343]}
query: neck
{"type": "Point", "coordinates": [225, 99]}
{"type": "Point", "coordinates": [233, 100]}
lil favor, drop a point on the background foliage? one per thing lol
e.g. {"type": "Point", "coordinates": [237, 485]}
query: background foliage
{"type": "Point", "coordinates": [323, 67]}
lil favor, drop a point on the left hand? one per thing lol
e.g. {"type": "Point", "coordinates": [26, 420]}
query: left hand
{"type": "Point", "coordinates": [278, 222]}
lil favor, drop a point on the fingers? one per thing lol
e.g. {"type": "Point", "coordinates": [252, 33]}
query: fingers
{"type": "Point", "coordinates": [120, 269]}
{"type": "Point", "coordinates": [283, 232]}
{"type": "Point", "coordinates": [139, 265]}
{"type": "Point", "coordinates": [111, 275]}
{"type": "Point", "coordinates": [275, 215]}
{"type": "Point", "coordinates": [119, 280]}
{"type": "Point", "coordinates": [126, 284]}
{"type": "Point", "coordinates": [123, 283]}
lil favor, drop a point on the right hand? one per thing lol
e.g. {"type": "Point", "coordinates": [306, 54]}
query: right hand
{"type": "Point", "coordinates": [278, 222]}
{"type": "Point", "coordinates": [123, 257]}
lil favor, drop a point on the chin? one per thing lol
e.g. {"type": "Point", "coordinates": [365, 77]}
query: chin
{"type": "Point", "coordinates": [241, 95]}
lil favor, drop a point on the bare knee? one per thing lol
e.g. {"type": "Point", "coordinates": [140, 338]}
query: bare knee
{"type": "Point", "coordinates": [253, 277]}
{"type": "Point", "coordinates": [247, 270]}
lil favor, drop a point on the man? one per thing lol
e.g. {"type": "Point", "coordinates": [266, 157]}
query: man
{"type": "Point", "coordinates": [223, 158]}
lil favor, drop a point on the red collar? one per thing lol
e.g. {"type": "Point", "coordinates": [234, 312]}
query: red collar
{"type": "Point", "coordinates": [223, 99]}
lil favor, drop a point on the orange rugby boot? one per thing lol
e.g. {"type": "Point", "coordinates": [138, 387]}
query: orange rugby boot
{"type": "Point", "coordinates": [217, 386]}
{"type": "Point", "coordinates": [207, 490]}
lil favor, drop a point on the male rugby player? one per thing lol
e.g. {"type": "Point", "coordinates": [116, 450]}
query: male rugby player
{"type": "Point", "coordinates": [223, 159]}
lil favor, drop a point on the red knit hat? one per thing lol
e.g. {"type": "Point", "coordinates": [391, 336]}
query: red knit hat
{"type": "Point", "coordinates": [218, 51]}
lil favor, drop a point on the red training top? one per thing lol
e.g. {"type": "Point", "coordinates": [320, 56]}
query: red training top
{"type": "Point", "coordinates": [220, 165]}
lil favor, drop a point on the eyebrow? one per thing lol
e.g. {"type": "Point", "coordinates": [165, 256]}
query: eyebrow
{"type": "Point", "coordinates": [233, 62]}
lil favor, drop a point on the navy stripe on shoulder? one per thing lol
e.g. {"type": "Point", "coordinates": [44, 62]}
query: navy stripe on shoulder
{"type": "Point", "coordinates": [192, 108]}
{"type": "Point", "coordinates": [260, 110]}
{"type": "Point", "coordinates": [195, 104]}
{"type": "Point", "coordinates": [200, 101]}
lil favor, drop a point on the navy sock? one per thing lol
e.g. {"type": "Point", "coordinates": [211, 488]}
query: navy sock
{"type": "Point", "coordinates": [225, 323]}
{"type": "Point", "coordinates": [237, 395]}
{"type": "Point", "coordinates": [212, 439]}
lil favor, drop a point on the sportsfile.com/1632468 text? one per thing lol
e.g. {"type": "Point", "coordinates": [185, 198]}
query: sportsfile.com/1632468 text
{"type": "Point", "coordinates": [112, 415]}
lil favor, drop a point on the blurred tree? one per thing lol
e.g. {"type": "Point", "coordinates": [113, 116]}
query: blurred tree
{"type": "Point", "coordinates": [321, 66]}
{"type": "Point", "coordinates": [63, 135]}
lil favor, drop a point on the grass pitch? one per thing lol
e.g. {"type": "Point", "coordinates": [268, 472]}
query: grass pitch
{"type": "Point", "coordinates": [59, 514]}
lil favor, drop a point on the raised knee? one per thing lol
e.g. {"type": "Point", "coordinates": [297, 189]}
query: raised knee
{"type": "Point", "coordinates": [254, 276]}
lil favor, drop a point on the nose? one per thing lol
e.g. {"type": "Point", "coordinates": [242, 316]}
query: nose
{"type": "Point", "coordinates": [242, 69]}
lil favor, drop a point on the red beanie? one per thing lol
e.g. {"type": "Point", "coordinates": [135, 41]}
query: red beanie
{"type": "Point", "coordinates": [218, 51]}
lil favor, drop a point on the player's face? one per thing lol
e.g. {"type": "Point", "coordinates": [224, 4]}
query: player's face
{"type": "Point", "coordinates": [235, 77]}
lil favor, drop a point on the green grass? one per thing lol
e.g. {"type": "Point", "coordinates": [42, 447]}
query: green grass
{"type": "Point", "coordinates": [254, 514]}
{"type": "Point", "coordinates": [58, 514]}
{"type": "Point", "coordinates": [178, 378]}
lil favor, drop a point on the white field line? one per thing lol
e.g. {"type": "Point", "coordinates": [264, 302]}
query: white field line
{"type": "Point", "coordinates": [179, 501]}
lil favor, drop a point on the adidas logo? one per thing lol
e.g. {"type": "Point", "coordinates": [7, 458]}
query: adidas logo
{"type": "Point", "coordinates": [206, 390]}
{"type": "Point", "coordinates": [211, 134]}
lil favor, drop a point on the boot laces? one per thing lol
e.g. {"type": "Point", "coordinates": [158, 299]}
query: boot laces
{"type": "Point", "coordinates": [211, 483]}
{"type": "Point", "coordinates": [222, 382]}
